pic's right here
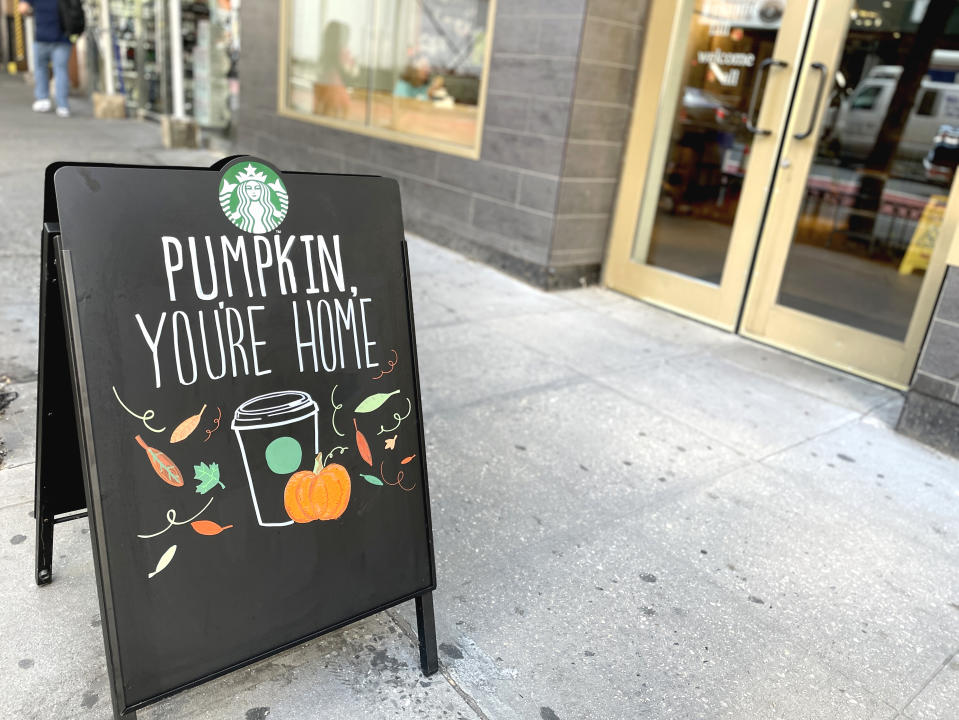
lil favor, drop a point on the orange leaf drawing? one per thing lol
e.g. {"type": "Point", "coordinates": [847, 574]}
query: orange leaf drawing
{"type": "Point", "coordinates": [363, 446]}
{"type": "Point", "coordinates": [406, 459]}
{"type": "Point", "coordinates": [162, 465]}
{"type": "Point", "coordinates": [208, 527]}
{"type": "Point", "coordinates": [185, 428]}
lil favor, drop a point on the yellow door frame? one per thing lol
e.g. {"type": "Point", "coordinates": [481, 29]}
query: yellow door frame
{"type": "Point", "coordinates": [658, 90]}
{"type": "Point", "coordinates": [863, 353]}
{"type": "Point", "coordinates": [770, 201]}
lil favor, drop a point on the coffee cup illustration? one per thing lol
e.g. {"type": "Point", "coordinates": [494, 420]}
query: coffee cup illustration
{"type": "Point", "coordinates": [276, 433]}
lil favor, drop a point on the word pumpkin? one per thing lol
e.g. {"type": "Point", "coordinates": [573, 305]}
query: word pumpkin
{"type": "Point", "coordinates": [319, 494]}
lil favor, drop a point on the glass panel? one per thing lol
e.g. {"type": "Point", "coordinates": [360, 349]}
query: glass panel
{"type": "Point", "coordinates": [328, 44]}
{"type": "Point", "coordinates": [885, 159]}
{"type": "Point", "coordinates": [709, 142]}
{"type": "Point", "coordinates": [429, 68]}
{"type": "Point", "coordinates": [413, 66]}
{"type": "Point", "coordinates": [215, 66]}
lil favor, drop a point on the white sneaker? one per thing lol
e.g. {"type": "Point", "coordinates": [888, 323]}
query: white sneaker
{"type": "Point", "coordinates": [63, 112]}
{"type": "Point", "coordinates": [42, 106]}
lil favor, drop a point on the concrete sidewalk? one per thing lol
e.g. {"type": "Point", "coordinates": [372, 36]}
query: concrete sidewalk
{"type": "Point", "coordinates": [635, 515]}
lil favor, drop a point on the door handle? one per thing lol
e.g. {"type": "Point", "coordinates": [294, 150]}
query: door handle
{"type": "Point", "coordinates": [752, 101]}
{"type": "Point", "coordinates": [819, 93]}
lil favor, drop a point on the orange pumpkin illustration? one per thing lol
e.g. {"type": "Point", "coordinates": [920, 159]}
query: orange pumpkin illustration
{"type": "Point", "coordinates": [318, 494]}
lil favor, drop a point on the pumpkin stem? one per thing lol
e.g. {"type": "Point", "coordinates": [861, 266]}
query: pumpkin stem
{"type": "Point", "coordinates": [318, 465]}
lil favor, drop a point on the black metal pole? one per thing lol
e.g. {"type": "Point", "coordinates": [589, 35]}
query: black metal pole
{"type": "Point", "coordinates": [42, 508]}
{"type": "Point", "coordinates": [426, 629]}
{"type": "Point", "coordinates": [44, 542]}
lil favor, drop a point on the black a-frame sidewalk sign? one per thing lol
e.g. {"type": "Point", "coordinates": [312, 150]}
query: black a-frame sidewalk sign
{"type": "Point", "coordinates": [229, 391]}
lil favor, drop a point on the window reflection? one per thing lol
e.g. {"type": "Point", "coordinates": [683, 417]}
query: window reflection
{"type": "Point", "coordinates": [710, 141]}
{"type": "Point", "coordinates": [336, 72]}
{"type": "Point", "coordinates": [414, 67]}
{"type": "Point", "coordinates": [886, 157]}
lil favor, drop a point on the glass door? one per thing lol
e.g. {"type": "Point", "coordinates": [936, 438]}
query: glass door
{"type": "Point", "coordinates": [697, 172]}
{"type": "Point", "coordinates": [849, 260]}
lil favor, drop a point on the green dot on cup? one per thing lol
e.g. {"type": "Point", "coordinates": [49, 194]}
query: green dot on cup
{"type": "Point", "coordinates": [284, 455]}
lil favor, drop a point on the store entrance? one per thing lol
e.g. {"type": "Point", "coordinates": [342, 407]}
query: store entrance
{"type": "Point", "coordinates": [796, 177]}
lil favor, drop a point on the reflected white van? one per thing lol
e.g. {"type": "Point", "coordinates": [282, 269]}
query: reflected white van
{"type": "Point", "coordinates": [861, 116]}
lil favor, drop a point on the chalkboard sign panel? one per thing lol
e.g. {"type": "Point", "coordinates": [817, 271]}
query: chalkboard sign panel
{"type": "Point", "coordinates": [245, 376]}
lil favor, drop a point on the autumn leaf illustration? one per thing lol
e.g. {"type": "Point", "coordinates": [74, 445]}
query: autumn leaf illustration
{"type": "Point", "coordinates": [374, 402]}
{"type": "Point", "coordinates": [164, 560]}
{"type": "Point", "coordinates": [209, 477]}
{"type": "Point", "coordinates": [208, 527]}
{"type": "Point", "coordinates": [162, 465]}
{"type": "Point", "coordinates": [362, 445]}
{"type": "Point", "coordinates": [185, 428]}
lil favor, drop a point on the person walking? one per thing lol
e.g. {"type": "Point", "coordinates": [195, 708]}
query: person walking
{"type": "Point", "coordinates": [51, 46]}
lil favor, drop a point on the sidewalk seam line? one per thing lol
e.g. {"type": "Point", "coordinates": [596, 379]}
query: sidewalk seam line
{"type": "Point", "coordinates": [19, 465]}
{"type": "Point", "coordinates": [16, 504]}
{"type": "Point", "coordinates": [444, 671]}
{"type": "Point", "coordinates": [942, 666]}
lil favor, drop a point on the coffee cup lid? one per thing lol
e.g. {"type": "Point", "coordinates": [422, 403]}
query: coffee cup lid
{"type": "Point", "coordinates": [272, 409]}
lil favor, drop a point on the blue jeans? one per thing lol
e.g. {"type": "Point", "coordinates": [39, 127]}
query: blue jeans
{"type": "Point", "coordinates": [58, 54]}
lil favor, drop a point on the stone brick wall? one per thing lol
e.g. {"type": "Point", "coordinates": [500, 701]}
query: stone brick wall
{"type": "Point", "coordinates": [931, 411]}
{"type": "Point", "coordinates": [537, 202]}
{"type": "Point", "coordinates": [602, 104]}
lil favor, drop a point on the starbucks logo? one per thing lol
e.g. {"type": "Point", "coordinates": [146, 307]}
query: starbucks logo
{"type": "Point", "coordinates": [253, 197]}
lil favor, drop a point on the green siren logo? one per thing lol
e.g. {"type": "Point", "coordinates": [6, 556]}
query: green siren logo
{"type": "Point", "coordinates": [253, 197]}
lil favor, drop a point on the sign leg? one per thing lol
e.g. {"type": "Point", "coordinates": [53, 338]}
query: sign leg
{"type": "Point", "coordinates": [59, 482]}
{"type": "Point", "coordinates": [44, 520]}
{"type": "Point", "coordinates": [426, 629]}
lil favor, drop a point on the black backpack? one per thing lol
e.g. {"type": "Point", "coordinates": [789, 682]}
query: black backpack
{"type": "Point", "coordinates": [71, 17]}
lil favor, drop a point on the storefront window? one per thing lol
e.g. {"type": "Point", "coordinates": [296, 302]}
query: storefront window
{"type": "Point", "coordinates": [408, 70]}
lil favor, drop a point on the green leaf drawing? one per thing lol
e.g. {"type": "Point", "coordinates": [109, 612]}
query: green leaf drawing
{"type": "Point", "coordinates": [374, 402]}
{"type": "Point", "coordinates": [209, 477]}
{"type": "Point", "coordinates": [371, 479]}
